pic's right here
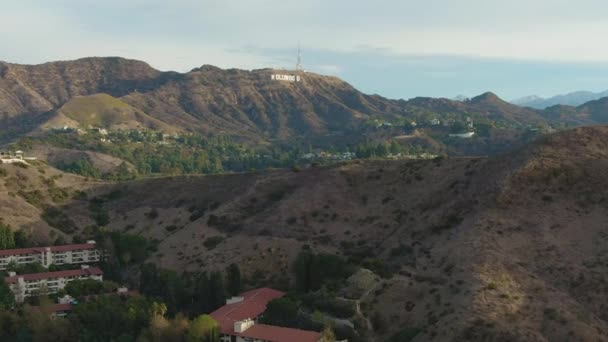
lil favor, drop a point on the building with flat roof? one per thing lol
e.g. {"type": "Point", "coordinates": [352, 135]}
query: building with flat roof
{"type": "Point", "coordinates": [35, 284]}
{"type": "Point", "coordinates": [84, 253]}
{"type": "Point", "coordinates": [238, 320]}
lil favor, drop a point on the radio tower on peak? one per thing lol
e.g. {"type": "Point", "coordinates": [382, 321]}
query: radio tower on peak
{"type": "Point", "coordinates": [299, 66]}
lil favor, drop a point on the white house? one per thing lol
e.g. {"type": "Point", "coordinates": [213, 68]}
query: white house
{"type": "Point", "coordinates": [53, 255]}
{"type": "Point", "coordinates": [467, 135]}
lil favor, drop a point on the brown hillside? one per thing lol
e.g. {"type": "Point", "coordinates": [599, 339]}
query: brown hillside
{"type": "Point", "coordinates": [240, 103]}
{"type": "Point", "coordinates": [510, 248]}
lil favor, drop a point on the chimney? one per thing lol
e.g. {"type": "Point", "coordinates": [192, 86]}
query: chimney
{"type": "Point", "coordinates": [234, 300]}
{"type": "Point", "coordinates": [91, 242]}
{"type": "Point", "coordinates": [241, 326]}
{"type": "Point", "coordinates": [12, 273]}
{"type": "Point", "coordinates": [84, 267]}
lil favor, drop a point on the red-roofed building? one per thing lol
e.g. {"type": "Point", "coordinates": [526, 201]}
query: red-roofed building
{"type": "Point", "coordinates": [54, 255]}
{"type": "Point", "coordinates": [238, 320]}
{"type": "Point", "coordinates": [27, 285]}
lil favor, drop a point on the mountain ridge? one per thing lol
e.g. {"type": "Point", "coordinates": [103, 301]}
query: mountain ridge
{"type": "Point", "coordinates": [575, 98]}
{"type": "Point", "coordinates": [249, 106]}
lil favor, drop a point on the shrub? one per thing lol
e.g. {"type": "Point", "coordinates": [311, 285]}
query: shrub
{"type": "Point", "coordinates": [58, 219]}
{"type": "Point", "coordinates": [171, 228]}
{"type": "Point", "coordinates": [213, 241]}
{"type": "Point", "coordinates": [34, 198]}
{"type": "Point", "coordinates": [152, 214]}
{"type": "Point", "coordinates": [402, 250]}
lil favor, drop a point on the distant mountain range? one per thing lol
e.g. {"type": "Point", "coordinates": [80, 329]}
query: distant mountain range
{"type": "Point", "coordinates": [253, 108]}
{"type": "Point", "coordinates": [576, 98]}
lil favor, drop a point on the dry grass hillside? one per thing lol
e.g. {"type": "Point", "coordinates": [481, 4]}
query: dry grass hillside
{"type": "Point", "coordinates": [103, 110]}
{"type": "Point", "coordinates": [511, 248]}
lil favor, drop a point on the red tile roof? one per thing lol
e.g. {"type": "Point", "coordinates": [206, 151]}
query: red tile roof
{"type": "Point", "coordinates": [36, 250]}
{"type": "Point", "coordinates": [253, 305]}
{"type": "Point", "coordinates": [52, 275]}
{"type": "Point", "coordinates": [279, 334]}
{"type": "Point", "coordinates": [64, 248]}
{"type": "Point", "coordinates": [21, 251]}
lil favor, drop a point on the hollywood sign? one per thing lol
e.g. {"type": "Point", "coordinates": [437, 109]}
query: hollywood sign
{"type": "Point", "coordinates": [288, 78]}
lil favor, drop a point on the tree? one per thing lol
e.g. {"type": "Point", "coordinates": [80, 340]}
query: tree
{"type": "Point", "coordinates": [302, 270]}
{"type": "Point", "coordinates": [7, 237]}
{"type": "Point", "coordinates": [328, 335]}
{"type": "Point", "coordinates": [204, 329]}
{"type": "Point", "coordinates": [234, 280]}
{"type": "Point", "coordinates": [84, 287]}
{"type": "Point", "coordinates": [217, 291]}
{"type": "Point", "coordinates": [7, 299]}
{"type": "Point", "coordinates": [282, 312]}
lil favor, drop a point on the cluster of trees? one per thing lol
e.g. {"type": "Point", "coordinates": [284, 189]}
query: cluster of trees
{"type": "Point", "coordinates": [314, 271]}
{"type": "Point", "coordinates": [152, 153]}
{"type": "Point", "coordinates": [108, 318]}
{"type": "Point", "coordinates": [7, 237]}
{"type": "Point", "coordinates": [189, 292]}
{"type": "Point", "coordinates": [10, 238]}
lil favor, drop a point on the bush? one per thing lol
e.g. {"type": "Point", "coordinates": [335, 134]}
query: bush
{"type": "Point", "coordinates": [34, 198]}
{"type": "Point", "coordinates": [58, 219]}
{"type": "Point", "coordinates": [152, 214]}
{"type": "Point", "coordinates": [213, 241]}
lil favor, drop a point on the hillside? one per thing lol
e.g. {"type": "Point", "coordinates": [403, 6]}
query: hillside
{"type": "Point", "coordinates": [105, 111]}
{"type": "Point", "coordinates": [507, 248]}
{"type": "Point", "coordinates": [116, 93]}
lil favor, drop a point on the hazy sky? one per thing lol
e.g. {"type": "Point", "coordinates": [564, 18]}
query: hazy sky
{"type": "Point", "coordinates": [397, 48]}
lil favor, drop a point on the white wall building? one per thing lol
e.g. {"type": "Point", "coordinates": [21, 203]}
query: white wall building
{"type": "Point", "coordinates": [54, 255]}
{"type": "Point", "coordinates": [35, 284]}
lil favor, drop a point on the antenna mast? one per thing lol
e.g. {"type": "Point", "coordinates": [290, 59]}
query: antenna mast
{"type": "Point", "coordinates": [299, 66]}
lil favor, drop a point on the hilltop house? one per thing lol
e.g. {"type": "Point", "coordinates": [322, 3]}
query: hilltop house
{"type": "Point", "coordinates": [238, 320]}
{"type": "Point", "coordinates": [34, 284]}
{"type": "Point", "coordinates": [17, 157]}
{"type": "Point", "coordinates": [53, 255]}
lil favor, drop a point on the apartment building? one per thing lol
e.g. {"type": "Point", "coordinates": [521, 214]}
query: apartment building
{"type": "Point", "coordinates": [84, 253]}
{"type": "Point", "coordinates": [238, 320]}
{"type": "Point", "coordinates": [28, 285]}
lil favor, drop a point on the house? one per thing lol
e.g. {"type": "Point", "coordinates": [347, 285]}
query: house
{"type": "Point", "coordinates": [467, 135]}
{"type": "Point", "coordinates": [17, 157]}
{"type": "Point", "coordinates": [53, 255]}
{"type": "Point", "coordinates": [34, 284]}
{"type": "Point", "coordinates": [238, 320]}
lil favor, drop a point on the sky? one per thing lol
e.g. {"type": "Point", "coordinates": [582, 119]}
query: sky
{"type": "Point", "coordinates": [395, 48]}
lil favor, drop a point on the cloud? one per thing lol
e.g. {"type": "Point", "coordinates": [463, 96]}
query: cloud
{"type": "Point", "coordinates": [430, 42]}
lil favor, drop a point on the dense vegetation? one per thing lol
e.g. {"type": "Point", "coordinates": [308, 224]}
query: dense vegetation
{"type": "Point", "coordinates": [153, 153]}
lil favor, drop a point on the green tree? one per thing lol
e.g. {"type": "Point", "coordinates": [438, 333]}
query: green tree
{"type": "Point", "coordinates": [84, 287]}
{"type": "Point", "coordinates": [204, 329]}
{"type": "Point", "coordinates": [234, 285]}
{"type": "Point", "coordinates": [7, 299]}
{"type": "Point", "coordinates": [282, 312]}
{"type": "Point", "coordinates": [217, 291]}
{"type": "Point", "coordinates": [7, 237]}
